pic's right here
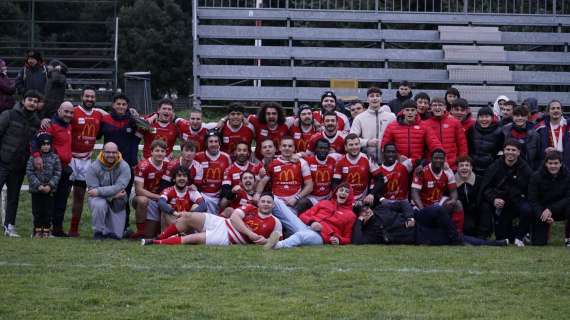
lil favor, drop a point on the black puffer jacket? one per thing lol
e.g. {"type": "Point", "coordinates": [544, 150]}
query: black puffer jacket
{"type": "Point", "coordinates": [32, 78]}
{"type": "Point", "coordinates": [396, 104]}
{"type": "Point", "coordinates": [386, 226]}
{"type": "Point", "coordinates": [548, 191]}
{"type": "Point", "coordinates": [504, 182]}
{"type": "Point", "coordinates": [530, 144]}
{"type": "Point", "coordinates": [17, 128]}
{"type": "Point", "coordinates": [484, 144]}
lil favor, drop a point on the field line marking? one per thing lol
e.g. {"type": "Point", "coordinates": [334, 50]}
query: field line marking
{"type": "Point", "coordinates": [285, 269]}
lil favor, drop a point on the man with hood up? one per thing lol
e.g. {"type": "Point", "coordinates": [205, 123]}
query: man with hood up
{"type": "Point", "coordinates": [33, 75]}
{"type": "Point", "coordinates": [404, 93]}
{"type": "Point", "coordinates": [497, 105]}
{"type": "Point", "coordinates": [536, 116]}
{"type": "Point", "coordinates": [107, 178]}
{"type": "Point", "coordinates": [55, 88]}
{"type": "Point", "coordinates": [329, 222]}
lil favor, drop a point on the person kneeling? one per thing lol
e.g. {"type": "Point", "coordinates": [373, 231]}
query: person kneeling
{"type": "Point", "coordinates": [106, 179]}
{"type": "Point", "coordinates": [330, 222]}
{"type": "Point", "coordinates": [248, 224]}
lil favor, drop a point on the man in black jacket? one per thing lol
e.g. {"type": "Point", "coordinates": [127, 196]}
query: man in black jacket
{"type": "Point", "coordinates": [504, 193]}
{"type": "Point", "coordinates": [404, 93]}
{"type": "Point", "coordinates": [17, 128]}
{"type": "Point", "coordinates": [395, 222]}
{"type": "Point", "coordinates": [549, 196]}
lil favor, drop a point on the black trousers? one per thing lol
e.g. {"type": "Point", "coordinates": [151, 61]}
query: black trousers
{"type": "Point", "coordinates": [42, 208]}
{"type": "Point", "coordinates": [60, 198]}
{"type": "Point", "coordinates": [13, 180]}
{"type": "Point", "coordinates": [539, 230]}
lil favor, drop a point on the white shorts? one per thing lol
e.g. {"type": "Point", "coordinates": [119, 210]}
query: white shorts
{"type": "Point", "coordinates": [79, 167]}
{"type": "Point", "coordinates": [216, 231]}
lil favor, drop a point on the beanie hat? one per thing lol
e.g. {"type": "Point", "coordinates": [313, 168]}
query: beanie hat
{"type": "Point", "coordinates": [328, 94]}
{"type": "Point", "coordinates": [303, 107]}
{"type": "Point", "coordinates": [485, 111]}
{"type": "Point", "coordinates": [44, 138]}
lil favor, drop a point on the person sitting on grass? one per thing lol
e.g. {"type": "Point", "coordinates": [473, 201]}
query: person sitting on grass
{"type": "Point", "coordinates": [42, 185]}
{"type": "Point", "coordinates": [396, 222]}
{"type": "Point", "coordinates": [180, 197]}
{"type": "Point", "coordinates": [248, 224]}
{"type": "Point", "coordinates": [107, 179]}
{"type": "Point", "coordinates": [329, 222]}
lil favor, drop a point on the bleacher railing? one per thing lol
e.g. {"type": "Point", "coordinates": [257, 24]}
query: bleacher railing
{"type": "Point", "coordinates": [527, 7]}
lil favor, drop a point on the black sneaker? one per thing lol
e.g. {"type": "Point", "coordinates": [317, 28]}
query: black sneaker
{"type": "Point", "coordinates": [147, 242]}
{"type": "Point", "coordinates": [98, 236]}
{"type": "Point", "coordinates": [59, 234]}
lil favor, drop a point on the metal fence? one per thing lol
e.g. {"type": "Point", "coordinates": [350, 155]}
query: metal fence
{"type": "Point", "coordinates": [530, 7]}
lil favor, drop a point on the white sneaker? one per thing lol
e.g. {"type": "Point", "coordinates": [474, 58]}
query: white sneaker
{"type": "Point", "coordinates": [519, 243]}
{"type": "Point", "coordinates": [10, 231]}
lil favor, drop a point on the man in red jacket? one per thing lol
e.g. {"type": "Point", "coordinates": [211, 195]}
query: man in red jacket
{"type": "Point", "coordinates": [329, 222]}
{"type": "Point", "coordinates": [449, 131]}
{"type": "Point", "coordinates": [410, 136]}
{"type": "Point", "coordinates": [60, 130]}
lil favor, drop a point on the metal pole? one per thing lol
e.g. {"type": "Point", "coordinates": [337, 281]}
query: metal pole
{"type": "Point", "coordinates": [32, 24]}
{"type": "Point", "coordinates": [116, 52]}
{"type": "Point", "coordinates": [195, 60]}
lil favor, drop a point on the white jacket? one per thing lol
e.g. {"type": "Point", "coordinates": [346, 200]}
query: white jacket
{"type": "Point", "coordinates": [371, 124]}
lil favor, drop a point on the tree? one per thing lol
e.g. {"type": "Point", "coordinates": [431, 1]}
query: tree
{"type": "Point", "coordinates": [155, 36]}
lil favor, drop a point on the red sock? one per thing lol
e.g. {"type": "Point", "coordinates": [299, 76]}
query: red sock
{"type": "Point", "coordinates": [140, 228]}
{"type": "Point", "coordinates": [458, 218]}
{"type": "Point", "coordinates": [74, 225]}
{"type": "Point", "coordinates": [168, 232]}
{"type": "Point", "coordinates": [170, 241]}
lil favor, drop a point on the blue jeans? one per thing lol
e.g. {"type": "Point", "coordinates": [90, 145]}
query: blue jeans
{"type": "Point", "coordinates": [288, 217]}
{"type": "Point", "coordinates": [306, 237]}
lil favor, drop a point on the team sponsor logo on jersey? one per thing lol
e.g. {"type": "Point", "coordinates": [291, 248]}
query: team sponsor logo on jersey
{"type": "Point", "coordinates": [323, 176]}
{"type": "Point", "coordinates": [235, 176]}
{"type": "Point", "coordinates": [277, 169]}
{"type": "Point", "coordinates": [392, 185]}
{"type": "Point", "coordinates": [151, 175]}
{"type": "Point", "coordinates": [287, 175]}
{"type": "Point", "coordinates": [204, 164]}
{"type": "Point", "coordinates": [89, 130]}
{"type": "Point", "coordinates": [213, 174]}
{"type": "Point", "coordinates": [313, 167]}
{"type": "Point", "coordinates": [353, 178]}
{"type": "Point", "coordinates": [81, 120]}
{"type": "Point", "coordinates": [297, 135]}
{"type": "Point", "coordinates": [430, 184]}
{"type": "Point", "coordinates": [344, 169]}
{"type": "Point", "coordinates": [264, 132]}
{"type": "Point", "coordinates": [226, 139]}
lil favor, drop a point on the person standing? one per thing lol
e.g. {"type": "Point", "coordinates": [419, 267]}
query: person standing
{"type": "Point", "coordinates": [33, 75]}
{"type": "Point", "coordinates": [55, 88]}
{"type": "Point", "coordinates": [17, 128]}
{"type": "Point", "coordinates": [7, 89]}
{"type": "Point", "coordinates": [404, 93]}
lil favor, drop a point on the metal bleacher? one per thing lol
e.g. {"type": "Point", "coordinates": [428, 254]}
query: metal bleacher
{"type": "Point", "coordinates": [481, 47]}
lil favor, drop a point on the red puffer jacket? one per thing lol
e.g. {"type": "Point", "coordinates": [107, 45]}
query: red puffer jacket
{"type": "Point", "coordinates": [61, 135]}
{"type": "Point", "coordinates": [336, 219]}
{"type": "Point", "coordinates": [451, 135]}
{"type": "Point", "coordinates": [411, 140]}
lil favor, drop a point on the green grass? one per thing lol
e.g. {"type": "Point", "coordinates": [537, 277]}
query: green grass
{"type": "Point", "coordinates": [83, 279]}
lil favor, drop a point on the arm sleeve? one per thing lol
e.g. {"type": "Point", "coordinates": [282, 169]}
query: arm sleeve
{"type": "Point", "coordinates": [120, 184]}
{"type": "Point", "coordinates": [56, 173]}
{"type": "Point", "coordinates": [346, 236]}
{"type": "Point", "coordinates": [164, 206]}
{"type": "Point", "coordinates": [20, 83]}
{"type": "Point", "coordinates": [357, 129]}
{"type": "Point", "coordinates": [31, 174]}
{"type": "Point", "coordinates": [461, 141]}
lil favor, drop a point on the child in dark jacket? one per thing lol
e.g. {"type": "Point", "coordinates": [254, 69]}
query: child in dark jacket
{"type": "Point", "coordinates": [43, 184]}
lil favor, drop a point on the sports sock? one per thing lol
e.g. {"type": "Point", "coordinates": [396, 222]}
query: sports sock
{"type": "Point", "coordinates": [74, 225]}
{"type": "Point", "coordinates": [168, 232]}
{"type": "Point", "coordinates": [170, 241]}
{"type": "Point", "coordinates": [140, 228]}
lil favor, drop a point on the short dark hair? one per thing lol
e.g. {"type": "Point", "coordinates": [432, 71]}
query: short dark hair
{"type": "Point", "coordinates": [373, 90]}
{"type": "Point", "coordinates": [236, 107]}
{"type": "Point", "coordinates": [438, 150]}
{"type": "Point", "coordinates": [323, 140]}
{"type": "Point", "coordinates": [33, 94]}
{"type": "Point", "coordinates": [511, 103]}
{"type": "Point", "coordinates": [158, 143]}
{"type": "Point", "coordinates": [465, 158]}
{"type": "Point", "coordinates": [513, 143]}
{"type": "Point", "coordinates": [88, 88]}
{"type": "Point", "coordinates": [461, 103]}
{"type": "Point", "coordinates": [329, 114]}
{"type": "Point", "coordinates": [390, 144]}
{"type": "Point", "coordinates": [422, 95]}
{"type": "Point", "coordinates": [121, 96]}
{"type": "Point", "coordinates": [266, 193]}
{"type": "Point", "coordinates": [350, 136]}
{"type": "Point", "coordinates": [244, 143]}
{"type": "Point", "coordinates": [409, 104]}
{"type": "Point", "coordinates": [520, 111]}
{"type": "Point", "coordinates": [188, 145]}
{"type": "Point", "coordinates": [553, 101]}
{"type": "Point", "coordinates": [404, 83]}
{"type": "Point", "coordinates": [165, 101]}
{"type": "Point", "coordinates": [246, 172]}
{"type": "Point", "coordinates": [553, 155]}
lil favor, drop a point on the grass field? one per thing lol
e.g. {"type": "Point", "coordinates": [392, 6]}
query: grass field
{"type": "Point", "coordinates": [84, 279]}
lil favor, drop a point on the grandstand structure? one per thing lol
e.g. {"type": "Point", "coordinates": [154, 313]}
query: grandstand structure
{"type": "Point", "coordinates": [80, 33]}
{"type": "Point", "coordinates": [290, 51]}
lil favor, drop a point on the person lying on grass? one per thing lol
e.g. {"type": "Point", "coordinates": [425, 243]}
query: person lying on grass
{"type": "Point", "coordinates": [329, 222]}
{"type": "Point", "coordinates": [247, 224]}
